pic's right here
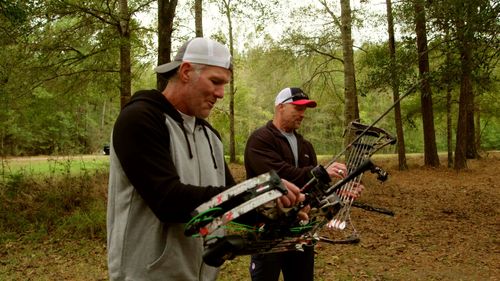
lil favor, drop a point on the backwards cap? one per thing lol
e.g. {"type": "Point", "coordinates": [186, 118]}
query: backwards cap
{"type": "Point", "coordinates": [201, 51]}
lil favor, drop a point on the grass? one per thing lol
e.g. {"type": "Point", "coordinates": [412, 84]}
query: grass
{"type": "Point", "coordinates": [53, 165]}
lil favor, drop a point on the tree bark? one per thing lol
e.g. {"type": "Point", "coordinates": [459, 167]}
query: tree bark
{"type": "Point", "coordinates": [477, 127]}
{"type": "Point", "coordinates": [431, 157]}
{"type": "Point", "coordinates": [471, 150]}
{"type": "Point", "coordinates": [461, 136]}
{"type": "Point", "coordinates": [351, 111]}
{"type": "Point", "coordinates": [232, 92]}
{"type": "Point", "coordinates": [166, 14]}
{"type": "Point", "coordinates": [467, 62]}
{"type": "Point", "coordinates": [395, 89]}
{"type": "Point", "coordinates": [466, 97]}
{"type": "Point", "coordinates": [198, 17]}
{"type": "Point", "coordinates": [125, 60]}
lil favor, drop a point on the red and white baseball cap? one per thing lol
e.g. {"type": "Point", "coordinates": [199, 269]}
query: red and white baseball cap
{"type": "Point", "coordinates": [293, 96]}
{"type": "Point", "coordinates": [201, 51]}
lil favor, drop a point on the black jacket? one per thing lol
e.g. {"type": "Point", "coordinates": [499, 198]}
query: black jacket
{"type": "Point", "coordinates": [268, 149]}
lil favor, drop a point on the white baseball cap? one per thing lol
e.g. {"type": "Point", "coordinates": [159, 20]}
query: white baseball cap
{"type": "Point", "coordinates": [202, 51]}
{"type": "Point", "coordinates": [293, 96]}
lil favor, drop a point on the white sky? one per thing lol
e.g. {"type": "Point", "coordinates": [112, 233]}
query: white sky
{"type": "Point", "coordinates": [213, 21]}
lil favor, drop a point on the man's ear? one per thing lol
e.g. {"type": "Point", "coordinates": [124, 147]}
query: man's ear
{"type": "Point", "coordinates": [184, 71]}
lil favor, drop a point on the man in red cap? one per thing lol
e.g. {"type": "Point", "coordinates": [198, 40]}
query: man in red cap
{"type": "Point", "coordinates": [278, 146]}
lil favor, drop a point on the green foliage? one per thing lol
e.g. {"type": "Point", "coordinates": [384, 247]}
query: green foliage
{"type": "Point", "coordinates": [59, 81]}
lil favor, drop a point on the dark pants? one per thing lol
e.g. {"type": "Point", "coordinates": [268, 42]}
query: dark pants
{"type": "Point", "coordinates": [295, 265]}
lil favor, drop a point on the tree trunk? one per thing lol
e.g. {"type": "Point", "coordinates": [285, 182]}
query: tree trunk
{"type": "Point", "coordinates": [449, 131]}
{"type": "Point", "coordinates": [166, 14]}
{"type": "Point", "coordinates": [232, 92]}
{"type": "Point", "coordinates": [431, 157]}
{"type": "Point", "coordinates": [461, 137]}
{"type": "Point", "coordinates": [395, 89]}
{"type": "Point", "coordinates": [478, 130]}
{"type": "Point", "coordinates": [462, 124]}
{"type": "Point", "coordinates": [125, 61]}
{"type": "Point", "coordinates": [465, 100]}
{"type": "Point", "coordinates": [471, 152]}
{"type": "Point", "coordinates": [447, 80]}
{"type": "Point", "coordinates": [471, 148]}
{"type": "Point", "coordinates": [351, 111]}
{"type": "Point", "coordinates": [198, 17]}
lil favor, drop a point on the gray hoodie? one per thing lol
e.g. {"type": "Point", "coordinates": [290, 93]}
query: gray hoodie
{"type": "Point", "coordinates": [159, 173]}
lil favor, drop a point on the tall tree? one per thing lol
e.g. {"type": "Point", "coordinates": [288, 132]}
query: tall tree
{"type": "Point", "coordinates": [395, 89]}
{"type": "Point", "coordinates": [470, 29]}
{"type": "Point", "coordinates": [232, 91]}
{"type": "Point", "coordinates": [72, 47]}
{"type": "Point", "coordinates": [431, 157]}
{"type": "Point", "coordinates": [125, 60]}
{"type": "Point", "coordinates": [104, 12]}
{"type": "Point", "coordinates": [227, 7]}
{"type": "Point", "coordinates": [465, 127]}
{"type": "Point", "coordinates": [231, 9]}
{"type": "Point", "coordinates": [166, 14]}
{"type": "Point", "coordinates": [351, 111]}
{"type": "Point", "coordinates": [449, 130]}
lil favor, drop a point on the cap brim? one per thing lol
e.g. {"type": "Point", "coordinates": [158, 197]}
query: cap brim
{"type": "Point", "coordinates": [167, 67]}
{"type": "Point", "coordinates": [308, 103]}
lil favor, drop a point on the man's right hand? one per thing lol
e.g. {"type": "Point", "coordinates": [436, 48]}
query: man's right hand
{"type": "Point", "coordinates": [293, 197]}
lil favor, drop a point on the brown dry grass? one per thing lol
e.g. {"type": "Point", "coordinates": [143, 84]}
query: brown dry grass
{"type": "Point", "coordinates": [445, 228]}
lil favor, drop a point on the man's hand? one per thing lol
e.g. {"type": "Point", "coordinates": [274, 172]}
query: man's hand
{"type": "Point", "coordinates": [337, 170]}
{"type": "Point", "coordinates": [293, 197]}
{"type": "Point", "coordinates": [354, 192]}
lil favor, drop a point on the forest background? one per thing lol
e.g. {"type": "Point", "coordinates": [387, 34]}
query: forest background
{"type": "Point", "coordinates": [67, 67]}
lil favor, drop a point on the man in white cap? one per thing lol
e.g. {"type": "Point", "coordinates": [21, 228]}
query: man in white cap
{"type": "Point", "coordinates": [165, 161]}
{"type": "Point", "coordinates": [278, 146]}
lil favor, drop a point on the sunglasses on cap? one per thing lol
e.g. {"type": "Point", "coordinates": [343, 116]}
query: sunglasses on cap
{"type": "Point", "coordinates": [296, 96]}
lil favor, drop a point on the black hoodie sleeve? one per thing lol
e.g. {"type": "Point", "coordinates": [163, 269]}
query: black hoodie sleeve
{"type": "Point", "coordinates": [141, 143]}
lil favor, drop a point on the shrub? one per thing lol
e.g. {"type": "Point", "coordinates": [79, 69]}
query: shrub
{"type": "Point", "coordinates": [68, 205]}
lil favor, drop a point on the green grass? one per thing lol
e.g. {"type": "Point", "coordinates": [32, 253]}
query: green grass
{"type": "Point", "coordinates": [61, 165]}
